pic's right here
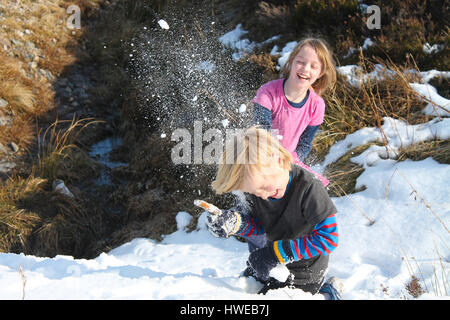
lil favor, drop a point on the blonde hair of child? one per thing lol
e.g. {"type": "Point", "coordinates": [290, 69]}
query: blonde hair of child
{"type": "Point", "coordinates": [245, 153]}
{"type": "Point", "coordinates": [328, 74]}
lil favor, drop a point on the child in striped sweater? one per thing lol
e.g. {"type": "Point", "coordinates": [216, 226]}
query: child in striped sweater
{"type": "Point", "coordinates": [286, 204]}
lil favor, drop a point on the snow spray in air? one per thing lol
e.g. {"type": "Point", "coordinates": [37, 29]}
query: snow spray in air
{"type": "Point", "coordinates": [184, 75]}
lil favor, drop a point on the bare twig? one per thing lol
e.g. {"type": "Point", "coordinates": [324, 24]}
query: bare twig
{"type": "Point", "coordinates": [371, 221]}
{"type": "Point", "coordinates": [210, 96]}
{"type": "Point", "coordinates": [427, 205]}
{"type": "Point", "coordinates": [24, 281]}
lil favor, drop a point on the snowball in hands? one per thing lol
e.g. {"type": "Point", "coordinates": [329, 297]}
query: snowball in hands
{"type": "Point", "coordinates": [280, 273]}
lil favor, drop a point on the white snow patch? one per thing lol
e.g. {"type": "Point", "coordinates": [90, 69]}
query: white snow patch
{"type": "Point", "coordinates": [437, 105]}
{"type": "Point", "coordinates": [398, 134]}
{"type": "Point", "coordinates": [426, 76]}
{"type": "Point", "coordinates": [285, 52]}
{"type": "Point", "coordinates": [367, 43]}
{"type": "Point", "coordinates": [163, 24]}
{"type": "Point", "coordinates": [183, 219]}
{"type": "Point", "coordinates": [241, 46]}
{"type": "Point", "coordinates": [430, 49]}
{"type": "Point", "coordinates": [206, 65]}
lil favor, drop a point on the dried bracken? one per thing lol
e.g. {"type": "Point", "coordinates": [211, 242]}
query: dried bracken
{"type": "Point", "coordinates": [414, 287]}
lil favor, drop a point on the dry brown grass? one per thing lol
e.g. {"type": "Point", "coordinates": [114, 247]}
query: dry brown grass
{"type": "Point", "coordinates": [27, 92]}
{"type": "Point", "coordinates": [58, 59]}
{"type": "Point", "coordinates": [56, 145]}
{"type": "Point", "coordinates": [34, 219]}
{"type": "Point", "coordinates": [350, 108]}
{"type": "Point", "coordinates": [21, 131]}
{"type": "Point", "coordinates": [414, 287]}
{"type": "Point", "coordinates": [266, 63]}
{"type": "Point", "coordinates": [17, 224]}
{"type": "Point", "coordinates": [14, 87]}
{"type": "Point", "coordinates": [343, 173]}
{"type": "Point", "coordinates": [439, 150]}
{"type": "Point", "coordinates": [19, 95]}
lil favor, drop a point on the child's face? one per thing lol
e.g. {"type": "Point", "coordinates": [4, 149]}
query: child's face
{"type": "Point", "coordinates": [266, 182]}
{"type": "Point", "coordinates": [306, 68]}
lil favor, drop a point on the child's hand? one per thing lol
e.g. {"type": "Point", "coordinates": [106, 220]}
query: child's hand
{"type": "Point", "coordinates": [225, 224]}
{"type": "Point", "coordinates": [262, 261]}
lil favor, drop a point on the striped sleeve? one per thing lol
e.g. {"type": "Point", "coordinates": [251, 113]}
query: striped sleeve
{"type": "Point", "coordinates": [322, 240]}
{"type": "Point", "coordinates": [250, 226]}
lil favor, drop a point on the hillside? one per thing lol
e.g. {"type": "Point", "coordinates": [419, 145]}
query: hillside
{"type": "Point", "coordinates": [91, 111]}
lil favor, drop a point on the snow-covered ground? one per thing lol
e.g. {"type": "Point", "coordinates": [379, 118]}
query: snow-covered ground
{"type": "Point", "coordinates": [407, 201]}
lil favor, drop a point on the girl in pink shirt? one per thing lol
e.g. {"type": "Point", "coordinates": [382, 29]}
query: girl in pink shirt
{"type": "Point", "coordinates": [292, 106]}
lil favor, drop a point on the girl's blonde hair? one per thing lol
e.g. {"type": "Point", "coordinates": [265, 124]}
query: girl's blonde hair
{"type": "Point", "coordinates": [245, 152]}
{"type": "Point", "coordinates": [328, 77]}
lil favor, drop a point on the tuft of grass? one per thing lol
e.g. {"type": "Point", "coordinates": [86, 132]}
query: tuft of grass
{"type": "Point", "coordinates": [343, 173]}
{"type": "Point", "coordinates": [16, 223]}
{"type": "Point", "coordinates": [439, 150]}
{"type": "Point", "coordinates": [67, 224]}
{"type": "Point", "coordinates": [56, 144]}
{"type": "Point", "coordinates": [36, 220]}
{"type": "Point", "coordinates": [20, 131]}
{"type": "Point", "coordinates": [20, 96]}
{"type": "Point", "coordinates": [414, 287]}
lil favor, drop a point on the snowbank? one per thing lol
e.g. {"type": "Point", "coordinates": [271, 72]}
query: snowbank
{"type": "Point", "coordinates": [408, 202]}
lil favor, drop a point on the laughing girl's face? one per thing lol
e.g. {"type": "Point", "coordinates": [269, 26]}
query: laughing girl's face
{"type": "Point", "coordinates": [306, 68]}
{"type": "Point", "coordinates": [266, 182]}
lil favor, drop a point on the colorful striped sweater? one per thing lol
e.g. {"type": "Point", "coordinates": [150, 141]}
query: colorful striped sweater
{"type": "Point", "coordinates": [299, 226]}
{"type": "Point", "coordinates": [322, 240]}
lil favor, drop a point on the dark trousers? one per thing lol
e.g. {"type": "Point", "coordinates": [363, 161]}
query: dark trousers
{"type": "Point", "coordinates": [306, 274]}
